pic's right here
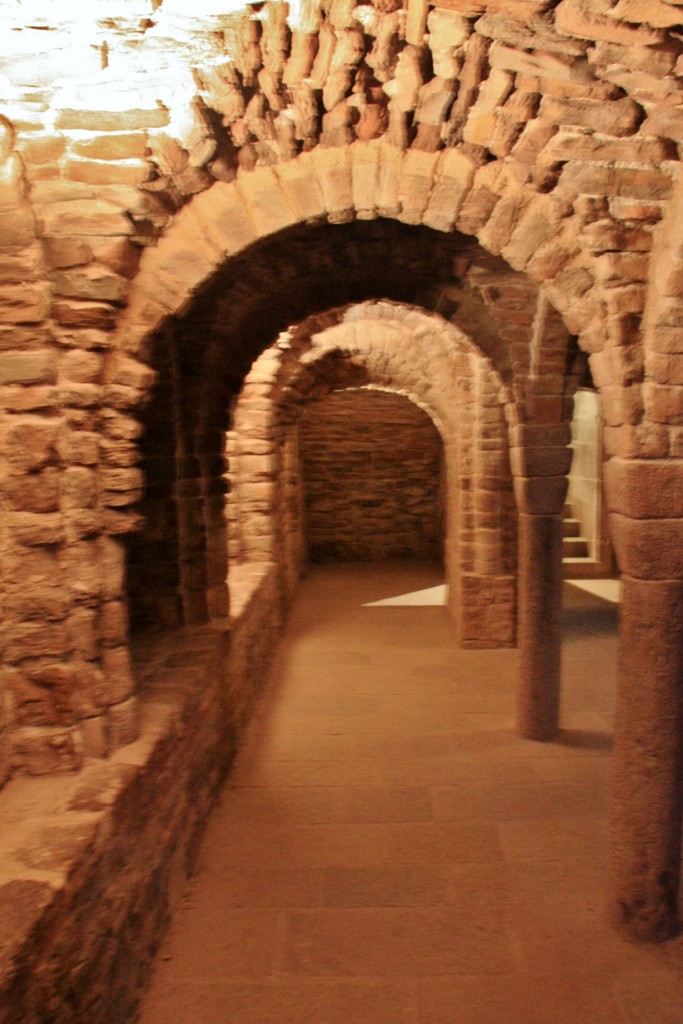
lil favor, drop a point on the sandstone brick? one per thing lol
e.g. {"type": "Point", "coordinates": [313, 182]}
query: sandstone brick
{"type": "Point", "coordinates": [42, 751]}
{"type": "Point", "coordinates": [81, 446]}
{"type": "Point", "coordinates": [415, 184]}
{"type": "Point", "coordinates": [43, 149]}
{"type": "Point", "coordinates": [452, 184]}
{"type": "Point", "coordinates": [81, 366]}
{"type": "Point", "coordinates": [607, 236]}
{"type": "Point", "coordinates": [622, 180]}
{"type": "Point", "coordinates": [571, 144]}
{"type": "Point", "coordinates": [84, 628]}
{"type": "Point", "coordinates": [37, 492]}
{"type": "Point", "coordinates": [36, 640]}
{"type": "Point", "coordinates": [85, 217]}
{"type": "Point", "coordinates": [113, 120]}
{"type": "Point", "coordinates": [103, 172]}
{"type": "Point", "coordinates": [83, 314]}
{"type": "Point", "coordinates": [645, 489]}
{"type": "Point", "coordinates": [580, 19]}
{"type": "Point", "coordinates": [122, 723]}
{"type": "Point", "coordinates": [527, 461]}
{"type": "Point", "coordinates": [652, 12]}
{"type": "Point", "coordinates": [664, 403]}
{"type": "Point", "coordinates": [117, 672]}
{"type": "Point", "coordinates": [79, 487]}
{"type": "Point", "coordinates": [91, 282]}
{"type": "Point", "coordinates": [541, 495]}
{"type": "Point", "coordinates": [664, 121]}
{"type": "Point", "coordinates": [301, 188]}
{"type": "Point", "coordinates": [648, 548]}
{"type": "Point", "coordinates": [225, 218]}
{"type": "Point", "coordinates": [31, 528]}
{"type": "Point", "coordinates": [619, 117]}
{"type": "Point", "coordinates": [112, 146]}
{"type": "Point", "coordinates": [38, 367]}
{"type": "Point", "coordinates": [17, 227]}
{"type": "Point", "coordinates": [665, 369]}
{"type": "Point", "coordinates": [28, 303]}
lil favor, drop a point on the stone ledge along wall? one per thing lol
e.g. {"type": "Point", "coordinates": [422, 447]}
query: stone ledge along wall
{"type": "Point", "coordinates": [372, 465]}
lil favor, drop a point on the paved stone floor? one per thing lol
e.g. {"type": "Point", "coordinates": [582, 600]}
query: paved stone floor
{"type": "Point", "coordinates": [388, 852]}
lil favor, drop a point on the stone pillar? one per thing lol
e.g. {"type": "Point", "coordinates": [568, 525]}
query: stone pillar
{"type": "Point", "coordinates": [539, 631]}
{"type": "Point", "coordinates": [646, 503]}
{"type": "Point", "coordinates": [646, 799]}
{"type": "Point", "coordinates": [540, 461]}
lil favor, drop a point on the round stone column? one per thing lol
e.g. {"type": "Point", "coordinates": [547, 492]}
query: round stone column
{"type": "Point", "coordinates": [540, 462]}
{"type": "Point", "coordinates": [646, 518]}
{"type": "Point", "coordinates": [539, 631]}
{"type": "Point", "coordinates": [648, 741]}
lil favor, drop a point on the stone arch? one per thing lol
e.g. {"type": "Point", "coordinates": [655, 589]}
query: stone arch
{"type": "Point", "coordinates": [395, 347]}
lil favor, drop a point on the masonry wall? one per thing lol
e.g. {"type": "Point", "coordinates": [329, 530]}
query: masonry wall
{"type": "Point", "coordinates": [372, 469]}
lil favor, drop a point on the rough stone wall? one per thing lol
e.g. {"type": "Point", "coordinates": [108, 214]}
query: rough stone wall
{"type": "Point", "coordinates": [372, 477]}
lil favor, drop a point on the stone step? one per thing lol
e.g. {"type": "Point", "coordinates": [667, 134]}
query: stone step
{"type": "Point", "coordinates": [574, 547]}
{"type": "Point", "coordinates": [571, 528]}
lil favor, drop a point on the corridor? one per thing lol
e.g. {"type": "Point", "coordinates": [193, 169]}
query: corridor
{"type": "Point", "coordinates": [387, 851]}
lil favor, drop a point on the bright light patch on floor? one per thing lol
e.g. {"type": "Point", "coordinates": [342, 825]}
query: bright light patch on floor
{"type": "Point", "coordinates": [608, 590]}
{"type": "Point", "coordinates": [430, 597]}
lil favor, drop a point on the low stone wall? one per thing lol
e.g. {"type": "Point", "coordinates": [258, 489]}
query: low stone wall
{"type": "Point", "coordinates": [92, 864]}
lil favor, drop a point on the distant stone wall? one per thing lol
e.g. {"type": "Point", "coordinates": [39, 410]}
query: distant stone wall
{"type": "Point", "coordinates": [372, 469]}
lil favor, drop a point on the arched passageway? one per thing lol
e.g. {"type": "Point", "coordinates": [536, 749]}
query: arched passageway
{"type": "Point", "coordinates": [162, 169]}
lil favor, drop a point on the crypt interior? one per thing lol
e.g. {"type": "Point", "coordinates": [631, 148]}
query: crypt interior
{"type": "Point", "coordinates": [341, 490]}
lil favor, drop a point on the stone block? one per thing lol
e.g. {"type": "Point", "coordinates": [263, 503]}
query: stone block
{"type": "Point", "coordinates": [651, 12]}
{"type": "Point", "coordinates": [79, 487]}
{"type": "Point", "coordinates": [103, 172]}
{"type": "Point", "coordinates": [266, 200]}
{"type": "Point", "coordinates": [85, 217]}
{"type": "Point", "coordinates": [646, 488]}
{"type": "Point", "coordinates": [648, 549]}
{"type": "Point", "coordinates": [111, 146]}
{"type": "Point", "coordinates": [452, 183]}
{"type": "Point", "coordinates": [301, 188]}
{"type": "Point", "coordinates": [225, 217]}
{"type": "Point", "coordinates": [91, 282]}
{"type": "Point", "coordinates": [541, 495]}
{"type": "Point", "coordinates": [587, 178]}
{"type": "Point", "coordinates": [36, 640]}
{"type": "Point", "coordinates": [664, 404]}
{"type": "Point", "coordinates": [17, 227]}
{"type": "Point", "coordinates": [27, 303]}
{"type": "Point", "coordinates": [32, 442]}
{"type": "Point", "coordinates": [81, 366]}
{"type": "Point", "coordinates": [334, 174]}
{"type": "Point", "coordinates": [39, 367]}
{"type": "Point", "coordinates": [415, 184]}
{"type": "Point", "coordinates": [36, 492]}
{"type": "Point", "coordinates": [46, 751]}
{"type": "Point", "coordinates": [113, 120]}
{"type": "Point", "coordinates": [365, 163]}
{"type": "Point", "coordinates": [579, 19]}
{"type": "Point", "coordinates": [543, 461]}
